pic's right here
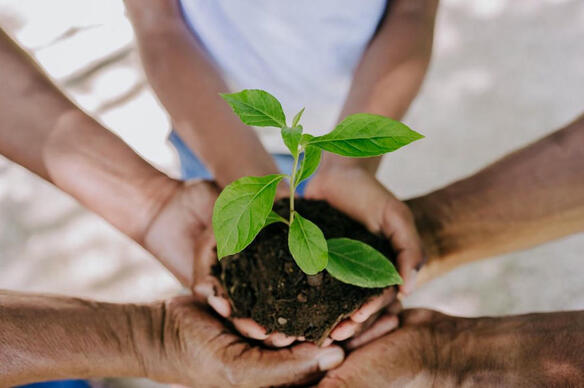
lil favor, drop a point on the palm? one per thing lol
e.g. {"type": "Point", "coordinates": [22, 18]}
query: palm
{"type": "Point", "coordinates": [198, 348]}
{"type": "Point", "coordinates": [181, 237]}
{"type": "Point", "coordinates": [358, 193]}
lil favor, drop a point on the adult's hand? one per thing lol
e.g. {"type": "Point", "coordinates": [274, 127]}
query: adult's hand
{"type": "Point", "coordinates": [356, 192]}
{"type": "Point", "coordinates": [50, 338]}
{"type": "Point", "coordinates": [433, 349]}
{"type": "Point", "coordinates": [198, 350]}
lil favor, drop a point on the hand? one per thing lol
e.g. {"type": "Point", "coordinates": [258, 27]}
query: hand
{"type": "Point", "coordinates": [181, 237]}
{"type": "Point", "coordinates": [197, 350]}
{"type": "Point", "coordinates": [357, 192]}
{"type": "Point", "coordinates": [433, 349]}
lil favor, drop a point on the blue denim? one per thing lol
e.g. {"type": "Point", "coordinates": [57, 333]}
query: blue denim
{"type": "Point", "coordinates": [191, 167]}
{"type": "Point", "coordinates": [59, 384]}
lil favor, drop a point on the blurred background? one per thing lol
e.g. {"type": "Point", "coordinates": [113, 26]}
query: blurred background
{"type": "Point", "coordinates": [504, 73]}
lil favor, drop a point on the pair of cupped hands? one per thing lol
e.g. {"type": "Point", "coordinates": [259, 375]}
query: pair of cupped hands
{"type": "Point", "coordinates": [181, 236]}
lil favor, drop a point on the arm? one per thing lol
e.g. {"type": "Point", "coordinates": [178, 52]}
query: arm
{"type": "Point", "coordinates": [47, 338]}
{"type": "Point", "coordinates": [386, 81]}
{"type": "Point", "coordinates": [188, 85]}
{"type": "Point", "coordinates": [391, 70]}
{"type": "Point", "coordinates": [433, 349]}
{"type": "Point", "coordinates": [43, 131]}
{"type": "Point", "coordinates": [531, 196]}
{"type": "Point", "coordinates": [46, 133]}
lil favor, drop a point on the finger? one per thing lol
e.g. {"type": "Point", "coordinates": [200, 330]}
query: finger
{"type": "Point", "coordinates": [374, 305]}
{"type": "Point", "coordinates": [382, 326]}
{"type": "Point", "coordinates": [279, 340]}
{"type": "Point", "coordinates": [208, 286]}
{"type": "Point", "coordinates": [394, 308]}
{"type": "Point", "coordinates": [400, 227]}
{"type": "Point", "coordinates": [220, 305]}
{"type": "Point", "coordinates": [288, 366]}
{"type": "Point", "coordinates": [344, 330]}
{"type": "Point", "coordinates": [205, 254]}
{"type": "Point", "coordinates": [408, 268]}
{"type": "Point", "coordinates": [249, 328]}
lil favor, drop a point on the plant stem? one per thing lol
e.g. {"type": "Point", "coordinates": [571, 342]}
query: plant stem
{"type": "Point", "coordinates": [293, 186]}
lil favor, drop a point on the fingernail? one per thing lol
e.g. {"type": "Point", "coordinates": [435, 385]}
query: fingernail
{"type": "Point", "coordinates": [359, 316]}
{"type": "Point", "coordinates": [204, 289]}
{"type": "Point", "coordinates": [342, 333]}
{"type": "Point", "coordinates": [330, 358]}
{"type": "Point", "coordinates": [219, 304]}
{"type": "Point", "coordinates": [411, 281]}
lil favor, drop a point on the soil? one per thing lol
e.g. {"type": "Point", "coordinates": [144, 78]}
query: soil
{"type": "Point", "coordinates": [265, 284]}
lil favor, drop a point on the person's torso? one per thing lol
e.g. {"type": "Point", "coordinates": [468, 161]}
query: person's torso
{"type": "Point", "coordinates": [304, 52]}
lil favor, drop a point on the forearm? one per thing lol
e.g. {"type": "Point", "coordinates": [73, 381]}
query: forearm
{"type": "Point", "coordinates": [46, 133]}
{"type": "Point", "coordinates": [534, 195]}
{"type": "Point", "coordinates": [538, 349]}
{"type": "Point", "coordinates": [46, 337]}
{"type": "Point", "coordinates": [392, 69]}
{"type": "Point", "coordinates": [188, 85]}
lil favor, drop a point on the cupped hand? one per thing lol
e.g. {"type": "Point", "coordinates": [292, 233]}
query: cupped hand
{"type": "Point", "coordinates": [181, 236]}
{"type": "Point", "coordinates": [356, 192]}
{"type": "Point", "coordinates": [198, 350]}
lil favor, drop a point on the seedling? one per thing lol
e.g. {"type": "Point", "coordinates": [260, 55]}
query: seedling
{"type": "Point", "coordinates": [244, 207]}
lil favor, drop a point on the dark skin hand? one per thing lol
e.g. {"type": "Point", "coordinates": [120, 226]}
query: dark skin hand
{"type": "Point", "coordinates": [176, 341]}
{"type": "Point", "coordinates": [434, 349]}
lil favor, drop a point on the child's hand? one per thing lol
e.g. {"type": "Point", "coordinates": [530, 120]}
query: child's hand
{"type": "Point", "coordinates": [357, 193]}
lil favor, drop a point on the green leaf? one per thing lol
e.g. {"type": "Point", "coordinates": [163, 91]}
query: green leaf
{"type": "Point", "coordinates": [241, 211]}
{"type": "Point", "coordinates": [307, 245]}
{"type": "Point", "coordinates": [309, 164]}
{"type": "Point", "coordinates": [257, 107]}
{"type": "Point", "coordinates": [365, 135]}
{"type": "Point", "coordinates": [354, 262]}
{"type": "Point", "coordinates": [297, 117]}
{"type": "Point", "coordinates": [274, 217]}
{"type": "Point", "coordinates": [291, 137]}
{"type": "Point", "coordinates": [306, 138]}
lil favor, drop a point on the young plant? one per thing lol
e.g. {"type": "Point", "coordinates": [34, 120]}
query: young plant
{"type": "Point", "coordinates": [244, 207]}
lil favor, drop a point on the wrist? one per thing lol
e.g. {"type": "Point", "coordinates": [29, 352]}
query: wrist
{"type": "Point", "coordinates": [332, 163]}
{"type": "Point", "coordinates": [93, 165]}
{"type": "Point", "coordinates": [52, 338]}
{"type": "Point", "coordinates": [329, 176]}
{"type": "Point", "coordinates": [146, 323]}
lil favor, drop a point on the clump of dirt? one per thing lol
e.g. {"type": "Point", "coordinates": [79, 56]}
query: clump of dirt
{"type": "Point", "coordinates": [264, 283]}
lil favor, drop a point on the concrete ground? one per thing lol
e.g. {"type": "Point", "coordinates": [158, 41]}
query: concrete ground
{"type": "Point", "coordinates": [504, 73]}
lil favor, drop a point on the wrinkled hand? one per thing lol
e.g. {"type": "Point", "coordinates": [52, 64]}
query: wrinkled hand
{"type": "Point", "coordinates": [359, 194]}
{"type": "Point", "coordinates": [433, 349]}
{"type": "Point", "coordinates": [197, 350]}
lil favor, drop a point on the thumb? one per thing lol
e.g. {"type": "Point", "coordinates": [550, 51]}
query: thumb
{"type": "Point", "coordinates": [299, 364]}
